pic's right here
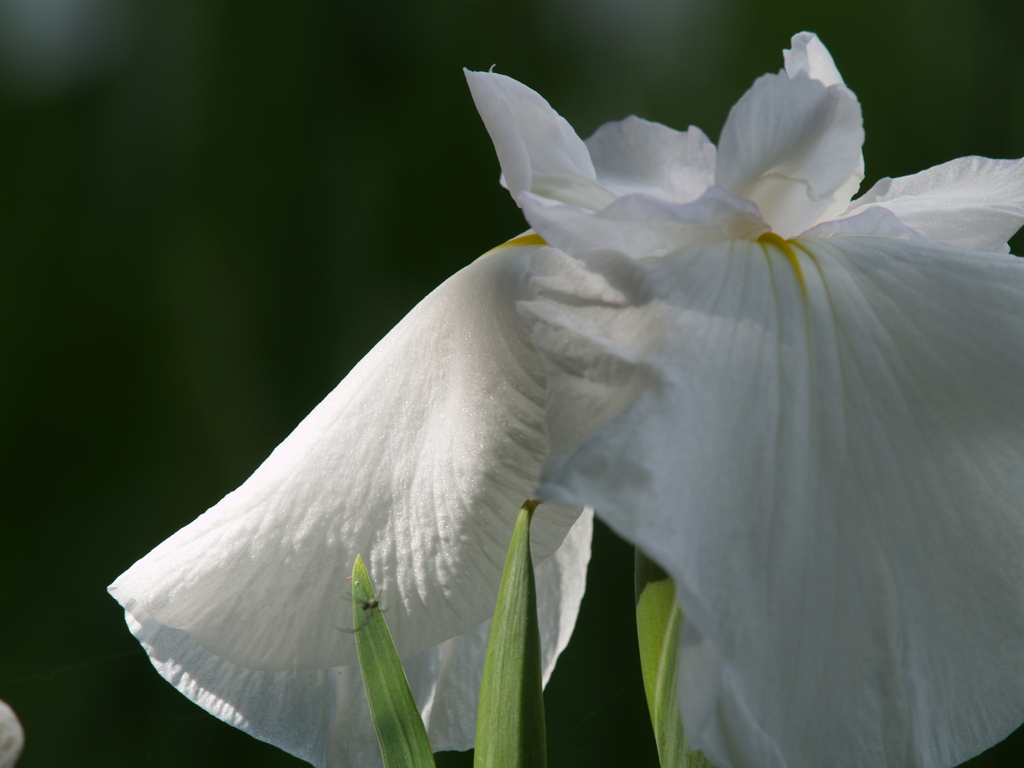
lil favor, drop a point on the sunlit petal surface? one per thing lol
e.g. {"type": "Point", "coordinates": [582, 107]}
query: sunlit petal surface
{"type": "Point", "coordinates": [418, 461]}
{"type": "Point", "coordinates": [807, 54]}
{"type": "Point", "coordinates": [971, 202]}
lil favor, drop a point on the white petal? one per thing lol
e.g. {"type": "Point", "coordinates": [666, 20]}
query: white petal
{"type": "Point", "coordinates": [844, 194]}
{"type": "Point", "coordinates": [321, 716]}
{"type": "Point", "coordinates": [289, 709]}
{"type": "Point", "coordinates": [635, 155]}
{"type": "Point", "coordinates": [12, 736]}
{"type": "Point", "coordinates": [538, 150]}
{"type": "Point", "coordinates": [593, 374]}
{"type": "Point", "coordinates": [792, 145]}
{"type": "Point", "coordinates": [418, 461]}
{"type": "Point", "coordinates": [810, 56]}
{"type": "Point", "coordinates": [872, 220]}
{"type": "Point", "coordinates": [640, 226]}
{"type": "Point", "coordinates": [971, 202]}
{"type": "Point", "coordinates": [829, 462]}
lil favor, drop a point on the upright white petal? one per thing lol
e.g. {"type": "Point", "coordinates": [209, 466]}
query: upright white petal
{"type": "Point", "coordinates": [810, 56]}
{"type": "Point", "coordinates": [970, 202]}
{"type": "Point", "coordinates": [635, 155]}
{"type": "Point", "coordinates": [792, 143]}
{"type": "Point", "coordinates": [321, 716]}
{"type": "Point", "coordinates": [826, 454]}
{"type": "Point", "coordinates": [539, 151]}
{"type": "Point", "coordinates": [418, 461]}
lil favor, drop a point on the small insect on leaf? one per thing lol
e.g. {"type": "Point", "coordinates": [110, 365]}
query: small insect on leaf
{"type": "Point", "coordinates": [403, 739]}
{"type": "Point", "coordinates": [365, 606]}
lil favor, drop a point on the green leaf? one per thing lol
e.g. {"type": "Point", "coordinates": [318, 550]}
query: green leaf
{"type": "Point", "coordinates": [403, 739]}
{"type": "Point", "coordinates": [658, 621]}
{"type": "Point", "coordinates": [510, 731]}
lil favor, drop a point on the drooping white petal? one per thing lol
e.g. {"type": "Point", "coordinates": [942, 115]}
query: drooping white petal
{"type": "Point", "coordinates": [827, 455]}
{"type": "Point", "coordinates": [539, 151]}
{"type": "Point", "coordinates": [642, 226]}
{"type": "Point", "coordinates": [418, 461]}
{"type": "Point", "coordinates": [970, 202]}
{"type": "Point", "coordinates": [291, 709]}
{"type": "Point", "coordinates": [636, 155]}
{"type": "Point", "coordinates": [321, 716]}
{"type": "Point", "coordinates": [792, 143]}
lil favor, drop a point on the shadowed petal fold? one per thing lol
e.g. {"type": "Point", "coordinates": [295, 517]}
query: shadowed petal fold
{"type": "Point", "coordinates": [825, 453]}
{"type": "Point", "coordinates": [643, 226]}
{"type": "Point", "coordinates": [870, 220]}
{"type": "Point", "coordinates": [636, 155]}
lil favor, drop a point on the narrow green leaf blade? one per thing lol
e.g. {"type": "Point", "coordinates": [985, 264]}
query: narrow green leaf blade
{"type": "Point", "coordinates": [658, 621]}
{"type": "Point", "coordinates": [510, 731]}
{"type": "Point", "coordinates": [403, 739]}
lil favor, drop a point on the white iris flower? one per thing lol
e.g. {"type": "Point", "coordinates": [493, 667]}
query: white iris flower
{"type": "Point", "coordinates": [808, 410]}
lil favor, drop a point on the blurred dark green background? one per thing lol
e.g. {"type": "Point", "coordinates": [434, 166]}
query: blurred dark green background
{"type": "Point", "coordinates": [210, 211]}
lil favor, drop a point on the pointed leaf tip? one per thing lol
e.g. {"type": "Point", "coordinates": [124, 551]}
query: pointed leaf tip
{"type": "Point", "coordinates": [510, 729]}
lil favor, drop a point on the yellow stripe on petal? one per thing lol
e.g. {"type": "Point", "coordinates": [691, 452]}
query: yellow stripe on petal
{"type": "Point", "coordinates": [770, 238]}
{"type": "Point", "coordinates": [531, 238]}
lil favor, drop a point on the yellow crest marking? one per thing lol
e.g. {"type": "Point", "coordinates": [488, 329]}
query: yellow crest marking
{"type": "Point", "coordinates": [770, 238]}
{"type": "Point", "coordinates": [529, 239]}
